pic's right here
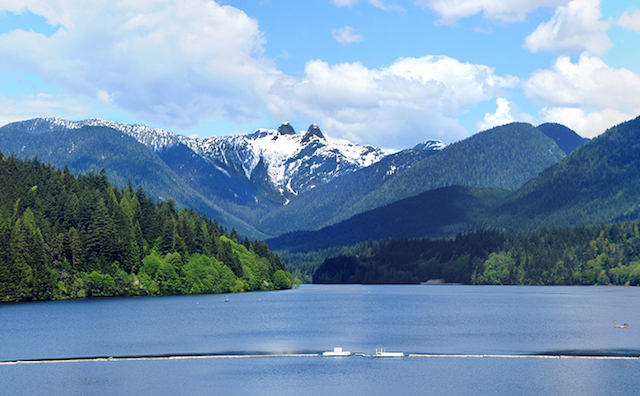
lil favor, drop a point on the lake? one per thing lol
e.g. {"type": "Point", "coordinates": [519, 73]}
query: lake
{"type": "Point", "coordinates": [414, 319]}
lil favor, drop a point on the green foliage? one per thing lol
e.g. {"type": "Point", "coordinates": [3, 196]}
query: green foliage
{"type": "Point", "coordinates": [606, 254]}
{"type": "Point", "coordinates": [598, 183]}
{"type": "Point", "coordinates": [124, 160]}
{"type": "Point", "coordinates": [77, 237]}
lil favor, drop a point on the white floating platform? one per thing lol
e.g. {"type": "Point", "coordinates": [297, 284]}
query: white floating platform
{"type": "Point", "coordinates": [381, 353]}
{"type": "Point", "coordinates": [337, 352]}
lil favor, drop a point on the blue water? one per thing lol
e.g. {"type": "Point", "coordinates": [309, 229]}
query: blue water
{"type": "Point", "coordinates": [411, 319]}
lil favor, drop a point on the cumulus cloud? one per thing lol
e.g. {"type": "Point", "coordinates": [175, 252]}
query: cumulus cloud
{"type": "Point", "coordinates": [630, 21]}
{"type": "Point", "coordinates": [576, 26]}
{"type": "Point", "coordinates": [346, 35]}
{"type": "Point", "coordinates": [172, 62]}
{"type": "Point", "coordinates": [590, 82]}
{"type": "Point", "coordinates": [585, 124]}
{"type": "Point", "coordinates": [506, 113]}
{"type": "Point", "coordinates": [502, 116]}
{"type": "Point", "coordinates": [505, 10]}
{"type": "Point", "coordinates": [588, 96]}
{"type": "Point", "coordinates": [411, 100]}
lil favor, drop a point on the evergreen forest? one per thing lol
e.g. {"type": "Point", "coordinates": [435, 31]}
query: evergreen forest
{"type": "Point", "coordinates": [64, 236]}
{"type": "Point", "coordinates": [580, 255]}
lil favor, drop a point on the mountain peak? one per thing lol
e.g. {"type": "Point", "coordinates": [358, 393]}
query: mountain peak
{"type": "Point", "coordinates": [286, 129]}
{"type": "Point", "coordinates": [314, 130]}
{"type": "Point", "coordinates": [431, 144]}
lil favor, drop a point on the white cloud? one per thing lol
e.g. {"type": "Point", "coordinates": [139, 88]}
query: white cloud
{"type": "Point", "coordinates": [630, 22]}
{"type": "Point", "coordinates": [505, 10]}
{"type": "Point", "coordinates": [376, 3]}
{"type": "Point", "coordinates": [387, 7]}
{"type": "Point", "coordinates": [502, 116]}
{"type": "Point", "coordinates": [346, 35]}
{"type": "Point", "coordinates": [413, 99]}
{"type": "Point", "coordinates": [506, 113]}
{"type": "Point", "coordinates": [576, 26]}
{"type": "Point", "coordinates": [585, 124]}
{"type": "Point", "coordinates": [588, 96]}
{"type": "Point", "coordinates": [590, 82]}
{"type": "Point", "coordinates": [22, 107]}
{"type": "Point", "coordinates": [171, 62]}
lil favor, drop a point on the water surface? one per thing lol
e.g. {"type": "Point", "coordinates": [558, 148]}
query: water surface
{"type": "Point", "coordinates": [438, 319]}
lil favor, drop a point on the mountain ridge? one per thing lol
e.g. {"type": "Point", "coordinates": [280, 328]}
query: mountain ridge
{"type": "Point", "coordinates": [288, 160]}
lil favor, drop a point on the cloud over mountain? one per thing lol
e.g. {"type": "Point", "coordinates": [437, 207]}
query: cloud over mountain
{"type": "Point", "coordinates": [415, 98]}
{"type": "Point", "coordinates": [172, 62]}
{"type": "Point", "coordinates": [569, 88]}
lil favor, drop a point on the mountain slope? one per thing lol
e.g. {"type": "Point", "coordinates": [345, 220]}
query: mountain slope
{"type": "Point", "coordinates": [89, 149]}
{"type": "Point", "coordinates": [598, 183]}
{"type": "Point", "coordinates": [318, 207]}
{"type": "Point", "coordinates": [247, 175]}
{"type": "Point", "coordinates": [442, 212]}
{"type": "Point", "coordinates": [281, 163]}
{"type": "Point", "coordinates": [564, 137]}
{"type": "Point", "coordinates": [503, 157]}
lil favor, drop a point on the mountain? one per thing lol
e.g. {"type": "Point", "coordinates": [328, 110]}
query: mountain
{"type": "Point", "coordinates": [92, 148]}
{"type": "Point", "coordinates": [564, 137]}
{"type": "Point", "coordinates": [319, 207]}
{"type": "Point", "coordinates": [271, 182]}
{"type": "Point", "coordinates": [246, 175]}
{"type": "Point", "coordinates": [503, 157]}
{"type": "Point", "coordinates": [597, 183]}
{"type": "Point", "coordinates": [441, 212]}
{"type": "Point", "coordinates": [282, 163]}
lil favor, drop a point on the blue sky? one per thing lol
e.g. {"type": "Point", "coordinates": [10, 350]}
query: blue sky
{"type": "Point", "coordinates": [386, 72]}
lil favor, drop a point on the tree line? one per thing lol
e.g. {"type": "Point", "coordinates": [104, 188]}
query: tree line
{"type": "Point", "coordinates": [582, 255]}
{"type": "Point", "coordinates": [65, 236]}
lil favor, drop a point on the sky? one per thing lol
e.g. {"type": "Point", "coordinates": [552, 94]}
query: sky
{"type": "Point", "coordinates": [390, 73]}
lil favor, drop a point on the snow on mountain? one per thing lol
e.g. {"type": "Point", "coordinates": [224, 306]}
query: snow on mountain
{"type": "Point", "coordinates": [155, 139]}
{"type": "Point", "coordinates": [430, 144]}
{"type": "Point", "coordinates": [293, 162]}
{"type": "Point", "coordinates": [282, 161]}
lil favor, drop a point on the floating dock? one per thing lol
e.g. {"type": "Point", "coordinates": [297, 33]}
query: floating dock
{"type": "Point", "coordinates": [337, 352]}
{"type": "Point", "coordinates": [307, 355]}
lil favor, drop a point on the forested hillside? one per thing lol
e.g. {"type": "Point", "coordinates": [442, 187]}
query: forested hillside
{"type": "Point", "coordinates": [598, 183]}
{"type": "Point", "coordinates": [505, 157]}
{"type": "Point", "coordinates": [587, 255]}
{"type": "Point", "coordinates": [443, 212]}
{"type": "Point", "coordinates": [92, 148]}
{"type": "Point", "coordinates": [63, 236]}
{"type": "Point", "coordinates": [564, 137]}
{"type": "Point", "coordinates": [318, 207]}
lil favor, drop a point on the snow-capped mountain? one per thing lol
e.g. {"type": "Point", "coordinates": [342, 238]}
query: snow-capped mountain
{"type": "Point", "coordinates": [155, 139]}
{"type": "Point", "coordinates": [291, 162]}
{"type": "Point", "coordinates": [280, 162]}
{"type": "Point", "coordinates": [431, 144]}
